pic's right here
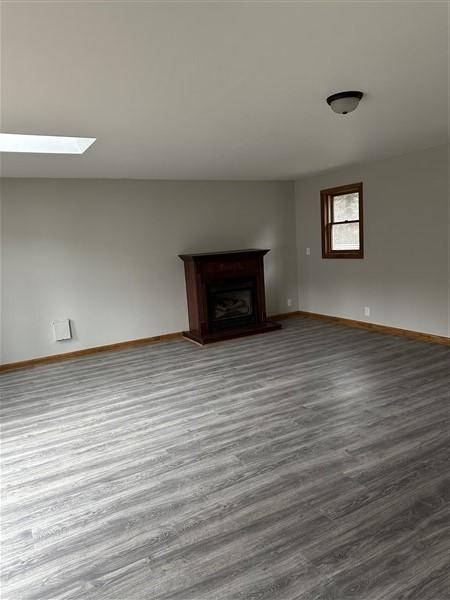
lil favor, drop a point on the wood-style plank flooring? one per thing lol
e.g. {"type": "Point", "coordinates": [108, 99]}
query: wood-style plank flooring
{"type": "Point", "coordinates": [304, 464]}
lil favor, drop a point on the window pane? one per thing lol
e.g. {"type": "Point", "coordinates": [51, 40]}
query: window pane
{"type": "Point", "coordinates": [345, 236]}
{"type": "Point", "coordinates": [346, 208]}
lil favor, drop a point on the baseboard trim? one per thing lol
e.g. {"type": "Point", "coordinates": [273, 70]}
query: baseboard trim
{"type": "Point", "coordinates": [283, 316]}
{"type": "Point", "coordinates": [415, 335]}
{"type": "Point", "coordinates": [86, 351]}
{"type": "Point", "coordinates": [22, 364]}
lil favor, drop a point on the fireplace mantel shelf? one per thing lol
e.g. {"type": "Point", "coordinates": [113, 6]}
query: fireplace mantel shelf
{"type": "Point", "coordinates": [211, 273]}
{"type": "Point", "coordinates": [226, 255]}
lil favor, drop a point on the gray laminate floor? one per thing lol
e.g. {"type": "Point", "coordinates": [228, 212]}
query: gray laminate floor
{"type": "Point", "coordinates": [308, 463]}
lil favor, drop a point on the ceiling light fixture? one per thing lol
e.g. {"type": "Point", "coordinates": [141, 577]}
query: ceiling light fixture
{"type": "Point", "coordinates": [44, 144]}
{"type": "Point", "coordinates": [344, 102]}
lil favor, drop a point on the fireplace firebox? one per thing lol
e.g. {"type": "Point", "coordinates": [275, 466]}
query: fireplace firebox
{"type": "Point", "coordinates": [225, 294]}
{"type": "Point", "coordinates": [231, 303]}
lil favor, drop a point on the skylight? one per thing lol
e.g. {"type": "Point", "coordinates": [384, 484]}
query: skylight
{"type": "Point", "coordinates": [44, 144]}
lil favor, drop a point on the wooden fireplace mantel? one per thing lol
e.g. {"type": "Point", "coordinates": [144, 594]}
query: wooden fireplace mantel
{"type": "Point", "coordinates": [226, 255]}
{"type": "Point", "coordinates": [202, 271]}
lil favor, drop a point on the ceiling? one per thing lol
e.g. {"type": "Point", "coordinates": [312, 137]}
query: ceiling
{"type": "Point", "coordinates": [221, 90]}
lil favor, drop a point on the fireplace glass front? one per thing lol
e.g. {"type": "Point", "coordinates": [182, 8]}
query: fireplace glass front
{"type": "Point", "coordinates": [231, 304]}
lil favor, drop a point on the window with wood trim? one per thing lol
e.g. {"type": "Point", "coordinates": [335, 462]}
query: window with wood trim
{"type": "Point", "coordinates": [342, 221]}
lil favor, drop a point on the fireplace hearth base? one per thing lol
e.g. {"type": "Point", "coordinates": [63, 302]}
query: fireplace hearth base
{"type": "Point", "coordinates": [226, 295]}
{"type": "Point", "coordinates": [229, 334]}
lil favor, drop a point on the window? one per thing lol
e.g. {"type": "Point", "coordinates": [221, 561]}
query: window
{"type": "Point", "coordinates": [342, 222]}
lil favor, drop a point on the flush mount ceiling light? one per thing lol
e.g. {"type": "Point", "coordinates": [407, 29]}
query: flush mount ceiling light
{"type": "Point", "coordinates": [344, 102]}
{"type": "Point", "coordinates": [44, 144]}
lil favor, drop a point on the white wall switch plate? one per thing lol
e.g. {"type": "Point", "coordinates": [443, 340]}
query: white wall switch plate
{"type": "Point", "coordinates": [61, 330]}
{"type": "Point", "coordinates": [367, 311]}
{"type": "Point", "coordinates": [308, 251]}
{"type": "Point", "coordinates": [289, 302]}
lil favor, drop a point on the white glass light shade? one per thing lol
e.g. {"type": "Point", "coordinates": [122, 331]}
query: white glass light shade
{"type": "Point", "coordinates": [344, 105]}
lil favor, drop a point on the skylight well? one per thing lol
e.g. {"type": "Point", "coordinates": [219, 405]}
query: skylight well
{"type": "Point", "coordinates": [44, 144]}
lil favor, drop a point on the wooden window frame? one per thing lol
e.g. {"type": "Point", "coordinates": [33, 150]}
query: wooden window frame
{"type": "Point", "coordinates": [326, 201]}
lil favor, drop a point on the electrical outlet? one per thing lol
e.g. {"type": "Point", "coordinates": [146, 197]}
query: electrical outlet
{"type": "Point", "coordinates": [308, 251]}
{"type": "Point", "coordinates": [367, 311]}
{"type": "Point", "coordinates": [289, 302]}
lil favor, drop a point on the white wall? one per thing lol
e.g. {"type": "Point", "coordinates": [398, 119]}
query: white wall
{"type": "Point", "coordinates": [404, 275]}
{"type": "Point", "coordinates": [104, 254]}
{"type": "Point", "coordinates": [1, 278]}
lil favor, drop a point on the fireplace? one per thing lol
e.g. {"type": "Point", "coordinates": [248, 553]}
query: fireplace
{"type": "Point", "coordinates": [231, 303]}
{"type": "Point", "coordinates": [225, 294]}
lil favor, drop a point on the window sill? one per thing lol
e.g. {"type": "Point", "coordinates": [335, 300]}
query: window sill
{"type": "Point", "coordinates": [349, 254]}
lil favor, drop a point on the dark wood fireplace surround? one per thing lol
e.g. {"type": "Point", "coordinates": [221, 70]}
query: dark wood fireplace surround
{"type": "Point", "coordinates": [221, 271]}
